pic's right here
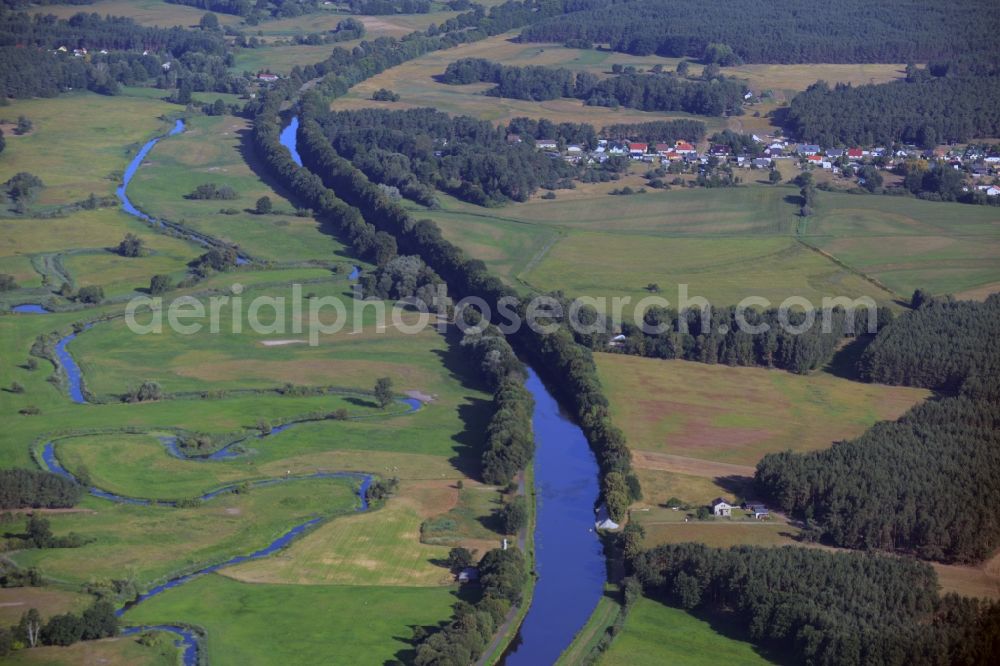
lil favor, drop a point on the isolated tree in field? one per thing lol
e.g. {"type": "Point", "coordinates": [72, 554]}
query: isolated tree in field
{"type": "Point", "coordinates": [38, 532]}
{"type": "Point", "coordinates": [24, 125]}
{"type": "Point", "coordinates": [160, 284]}
{"type": "Point", "coordinates": [7, 282]}
{"type": "Point", "coordinates": [383, 392]}
{"type": "Point", "coordinates": [264, 206]}
{"type": "Point", "coordinates": [919, 297]}
{"type": "Point", "coordinates": [131, 246]}
{"type": "Point", "coordinates": [460, 558]}
{"type": "Point", "coordinates": [90, 294]}
{"type": "Point", "coordinates": [3, 141]}
{"type": "Point", "coordinates": [209, 21]}
{"type": "Point", "coordinates": [30, 627]}
{"type": "Point", "coordinates": [514, 515]}
{"type": "Point", "coordinates": [145, 392]}
{"type": "Point", "coordinates": [219, 108]}
{"type": "Point", "coordinates": [774, 177]}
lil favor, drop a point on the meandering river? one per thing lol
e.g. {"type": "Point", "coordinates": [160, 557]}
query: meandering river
{"type": "Point", "coordinates": [568, 556]}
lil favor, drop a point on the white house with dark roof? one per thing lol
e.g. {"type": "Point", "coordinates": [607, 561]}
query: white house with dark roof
{"type": "Point", "coordinates": [721, 507]}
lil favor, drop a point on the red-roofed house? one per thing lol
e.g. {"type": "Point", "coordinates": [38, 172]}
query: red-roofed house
{"type": "Point", "coordinates": [684, 148]}
{"type": "Point", "coordinates": [637, 149]}
{"type": "Point", "coordinates": [663, 148]}
{"type": "Point", "coordinates": [815, 159]}
{"type": "Point", "coordinates": [855, 153]}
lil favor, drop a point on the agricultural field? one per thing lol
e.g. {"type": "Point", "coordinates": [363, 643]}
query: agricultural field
{"type": "Point", "coordinates": [735, 415]}
{"type": "Point", "coordinates": [656, 634]}
{"type": "Point", "coordinates": [417, 86]}
{"type": "Point", "coordinates": [121, 651]}
{"type": "Point", "coordinates": [726, 244]}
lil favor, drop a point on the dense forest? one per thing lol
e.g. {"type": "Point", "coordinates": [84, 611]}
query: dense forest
{"type": "Point", "coordinates": [816, 607]}
{"type": "Point", "coordinates": [942, 344]}
{"type": "Point", "coordinates": [782, 31]}
{"type": "Point", "coordinates": [662, 91]}
{"type": "Point", "coordinates": [256, 9]}
{"type": "Point", "coordinates": [695, 337]}
{"type": "Point", "coordinates": [915, 485]}
{"type": "Point", "coordinates": [931, 106]}
{"type": "Point", "coordinates": [31, 63]}
{"type": "Point", "coordinates": [420, 150]}
{"type": "Point", "coordinates": [22, 488]}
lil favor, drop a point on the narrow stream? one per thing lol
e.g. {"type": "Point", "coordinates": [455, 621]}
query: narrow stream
{"type": "Point", "coordinates": [131, 209]}
{"type": "Point", "coordinates": [569, 558]}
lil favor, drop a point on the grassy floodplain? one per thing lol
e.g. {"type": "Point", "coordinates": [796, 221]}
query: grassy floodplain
{"type": "Point", "coordinates": [301, 624]}
{"type": "Point", "coordinates": [228, 382]}
{"type": "Point", "coordinates": [217, 150]}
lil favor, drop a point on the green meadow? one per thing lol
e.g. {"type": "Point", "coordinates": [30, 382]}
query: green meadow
{"type": "Point", "coordinates": [217, 150]}
{"type": "Point", "coordinates": [658, 634]}
{"type": "Point", "coordinates": [299, 624]}
{"type": "Point", "coordinates": [726, 244]}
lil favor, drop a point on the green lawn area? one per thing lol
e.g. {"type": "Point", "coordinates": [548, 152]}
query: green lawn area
{"type": "Point", "coordinates": [299, 624]}
{"type": "Point", "coordinates": [657, 634]}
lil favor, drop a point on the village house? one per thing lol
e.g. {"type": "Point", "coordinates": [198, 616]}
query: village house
{"type": "Point", "coordinates": [574, 149]}
{"type": "Point", "coordinates": [721, 507]}
{"type": "Point", "coordinates": [855, 153]}
{"type": "Point", "coordinates": [603, 520]}
{"type": "Point", "coordinates": [719, 150]}
{"type": "Point", "coordinates": [546, 144]}
{"type": "Point", "coordinates": [267, 77]}
{"type": "Point", "coordinates": [807, 149]}
{"type": "Point", "coordinates": [683, 148]}
{"type": "Point", "coordinates": [637, 149]}
{"type": "Point", "coordinates": [835, 153]}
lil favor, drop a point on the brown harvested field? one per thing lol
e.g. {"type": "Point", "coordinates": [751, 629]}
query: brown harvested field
{"type": "Point", "coordinates": [417, 87]}
{"type": "Point", "coordinates": [736, 415]}
{"type": "Point", "coordinates": [15, 601]}
{"type": "Point", "coordinates": [658, 486]}
{"type": "Point", "coordinates": [689, 466]}
{"type": "Point", "coordinates": [971, 581]}
{"type": "Point", "coordinates": [415, 82]}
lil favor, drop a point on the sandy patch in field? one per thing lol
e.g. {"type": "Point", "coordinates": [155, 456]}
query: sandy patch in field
{"type": "Point", "coordinates": [421, 396]}
{"type": "Point", "coordinates": [978, 293]}
{"type": "Point", "coordinates": [281, 343]}
{"type": "Point", "coordinates": [685, 465]}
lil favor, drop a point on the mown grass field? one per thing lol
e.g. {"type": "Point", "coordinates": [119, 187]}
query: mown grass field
{"type": "Point", "coordinates": [908, 244]}
{"type": "Point", "coordinates": [372, 548]}
{"type": "Point", "coordinates": [300, 624]}
{"type": "Point", "coordinates": [658, 634]}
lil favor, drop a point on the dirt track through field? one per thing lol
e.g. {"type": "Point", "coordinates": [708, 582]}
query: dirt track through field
{"type": "Point", "coordinates": [693, 466]}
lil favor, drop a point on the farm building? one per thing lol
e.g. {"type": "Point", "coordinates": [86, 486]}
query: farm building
{"type": "Point", "coordinates": [721, 507]}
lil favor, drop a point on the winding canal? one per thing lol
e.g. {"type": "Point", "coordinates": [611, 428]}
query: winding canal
{"type": "Point", "coordinates": [568, 556]}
